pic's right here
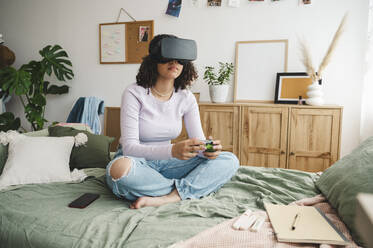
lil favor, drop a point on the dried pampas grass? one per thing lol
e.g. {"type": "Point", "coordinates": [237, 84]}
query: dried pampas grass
{"type": "Point", "coordinates": [306, 60]}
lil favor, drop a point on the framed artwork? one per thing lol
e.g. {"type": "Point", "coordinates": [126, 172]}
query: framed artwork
{"type": "Point", "coordinates": [257, 63]}
{"type": "Point", "coordinates": [291, 86]}
{"type": "Point", "coordinates": [112, 43]}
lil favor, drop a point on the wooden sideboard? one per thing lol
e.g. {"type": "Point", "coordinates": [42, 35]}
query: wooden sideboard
{"type": "Point", "coordinates": [264, 134]}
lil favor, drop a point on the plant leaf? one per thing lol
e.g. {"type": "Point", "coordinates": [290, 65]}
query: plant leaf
{"type": "Point", "coordinates": [58, 90]}
{"type": "Point", "coordinates": [56, 60]}
{"type": "Point", "coordinates": [8, 122]}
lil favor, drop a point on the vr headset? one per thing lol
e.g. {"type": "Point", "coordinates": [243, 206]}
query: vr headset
{"type": "Point", "coordinates": [172, 48]}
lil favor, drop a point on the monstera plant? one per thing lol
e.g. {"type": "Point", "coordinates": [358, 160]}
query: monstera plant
{"type": "Point", "coordinates": [29, 84]}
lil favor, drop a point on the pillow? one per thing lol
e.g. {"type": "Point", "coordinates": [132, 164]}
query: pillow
{"type": "Point", "coordinates": [43, 132]}
{"type": "Point", "coordinates": [94, 154]}
{"type": "Point", "coordinates": [36, 159]}
{"type": "Point", "coordinates": [345, 179]}
{"type": "Point", "coordinates": [4, 148]}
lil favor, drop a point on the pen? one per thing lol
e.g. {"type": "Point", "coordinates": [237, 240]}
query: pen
{"type": "Point", "coordinates": [295, 221]}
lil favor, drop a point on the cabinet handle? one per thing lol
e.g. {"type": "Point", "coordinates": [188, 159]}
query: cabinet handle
{"type": "Point", "coordinates": [282, 152]}
{"type": "Point", "coordinates": [292, 153]}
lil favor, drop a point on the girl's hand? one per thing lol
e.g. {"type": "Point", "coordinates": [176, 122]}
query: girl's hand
{"type": "Point", "coordinates": [217, 148]}
{"type": "Point", "coordinates": [187, 149]}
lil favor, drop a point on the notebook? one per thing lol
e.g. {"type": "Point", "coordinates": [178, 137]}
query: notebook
{"type": "Point", "coordinates": [310, 225]}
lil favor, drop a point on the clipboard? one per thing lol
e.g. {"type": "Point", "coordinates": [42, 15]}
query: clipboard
{"type": "Point", "coordinates": [312, 226]}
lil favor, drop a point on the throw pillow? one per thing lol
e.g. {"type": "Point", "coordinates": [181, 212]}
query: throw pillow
{"type": "Point", "coordinates": [345, 179]}
{"type": "Point", "coordinates": [36, 160]}
{"type": "Point", "coordinates": [40, 133]}
{"type": "Point", "coordinates": [95, 153]}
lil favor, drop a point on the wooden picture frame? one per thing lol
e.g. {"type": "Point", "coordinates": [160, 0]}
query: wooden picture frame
{"type": "Point", "coordinates": [291, 85]}
{"type": "Point", "coordinates": [120, 43]}
{"type": "Point", "coordinates": [257, 63]}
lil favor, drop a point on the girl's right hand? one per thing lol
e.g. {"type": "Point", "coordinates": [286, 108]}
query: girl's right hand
{"type": "Point", "coordinates": [187, 149]}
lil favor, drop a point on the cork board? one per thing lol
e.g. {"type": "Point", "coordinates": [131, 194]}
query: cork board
{"type": "Point", "coordinates": [125, 42]}
{"type": "Point", "coordinates": [290, 86]}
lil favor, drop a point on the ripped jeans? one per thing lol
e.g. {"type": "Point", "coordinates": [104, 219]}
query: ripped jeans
{"type": "Point", "coordinates": [193, 178]}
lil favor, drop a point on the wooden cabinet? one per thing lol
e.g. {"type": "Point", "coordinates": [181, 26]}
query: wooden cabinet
{"type": "Point", "coordinates": [263, 139]}
{"type": "Point", "coordinates": [268, 135]}
{"type": "Point", "coordinates": [273, 135]}
{"type": "Point", "coordinates": [221, 122]}
{"type": "Point", "coordinates": [313, 138]}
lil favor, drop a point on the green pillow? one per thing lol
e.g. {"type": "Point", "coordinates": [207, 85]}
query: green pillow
{"type": "Point", "coordinates": [94, 154]}
{"type": "Point", "coordinates": [345, 179]}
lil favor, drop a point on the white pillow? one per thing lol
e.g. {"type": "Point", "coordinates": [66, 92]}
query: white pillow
{"type": "Point", "coordinates": [37, 160]}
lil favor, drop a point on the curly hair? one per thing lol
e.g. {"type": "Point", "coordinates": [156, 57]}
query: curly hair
{"type": "Point", "coordinates": [148, 72]}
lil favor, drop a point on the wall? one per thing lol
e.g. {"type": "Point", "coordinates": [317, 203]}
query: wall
{"type": "Point", "coordinates": [28, 26]}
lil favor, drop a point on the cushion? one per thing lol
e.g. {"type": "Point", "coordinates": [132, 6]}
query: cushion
{"type": "Point", "coordinates": [345, 179]}
{"type": "Point", "coordinates": [95, 154]}
{"type": "Point", "coordinates": [37, 160]}
{"type": "Point", "coordinates": [43, 132]}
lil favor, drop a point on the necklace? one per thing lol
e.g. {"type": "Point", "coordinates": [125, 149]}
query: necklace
{"type": "Point", "coordinates": [160, 94]}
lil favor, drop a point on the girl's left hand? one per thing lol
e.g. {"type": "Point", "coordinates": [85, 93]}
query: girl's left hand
{"type": "Point", "coordinates": [217, 148]}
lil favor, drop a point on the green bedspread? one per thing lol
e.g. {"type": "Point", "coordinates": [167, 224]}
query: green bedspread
{"type": "Point", "coordinates": [38, 216]}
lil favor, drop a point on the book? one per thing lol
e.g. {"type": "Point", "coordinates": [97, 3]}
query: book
{"type": "Point", "coordinates": [303, 224]}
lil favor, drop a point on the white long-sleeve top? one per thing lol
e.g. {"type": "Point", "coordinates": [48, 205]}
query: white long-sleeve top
{"type": "Point", "coordinates": [148, 125]}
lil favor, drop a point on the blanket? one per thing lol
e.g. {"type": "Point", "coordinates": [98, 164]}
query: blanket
{"type": "Point", "coordinates": [223, 235]}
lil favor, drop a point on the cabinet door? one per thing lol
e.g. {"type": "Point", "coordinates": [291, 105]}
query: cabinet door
{"type": "Point", "coordinates": [221, 122]}
{"type": "Point", "coordinates": [263, 136]}
{"type": "Point", "coordinates": [313, 139]}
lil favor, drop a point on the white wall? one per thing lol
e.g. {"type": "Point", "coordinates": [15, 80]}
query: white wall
{"type": "Point", "coordinates": [29, 25]}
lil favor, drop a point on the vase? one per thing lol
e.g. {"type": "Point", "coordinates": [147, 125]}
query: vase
{"type": "Point", "coordinates": [219, 93]}
{"type": "Point", "coordinates": [315, 94]}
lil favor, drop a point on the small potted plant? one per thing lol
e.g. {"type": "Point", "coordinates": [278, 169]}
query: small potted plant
{"type": "Point", "coordinates": [218, 82]}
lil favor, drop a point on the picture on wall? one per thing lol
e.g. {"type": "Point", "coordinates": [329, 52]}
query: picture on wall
{"type": "Point", "coordinates": [173, 8]}
{"type": "Point", "coordinates": [291, 87]}
{"type": "Point", "coordinates": [144, 33]}
{"type": "Point", "coordinates": [255, 77]}
{"type": "Point", "coordinates": [112, 43]}
{"type": "Point", "coordinates": [214, 3]}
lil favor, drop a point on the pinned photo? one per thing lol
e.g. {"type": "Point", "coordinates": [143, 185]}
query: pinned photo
{"type": "Point", "coordinates": [306, 1]}
{"type": "Point", "coordinates": [214, 3]}
{"type": "Point", "coordinates": [144, 33]}
{"type": "Point", "coordinates": [174, 7]}
{"type": "Point", "coordinates": [234, 3]}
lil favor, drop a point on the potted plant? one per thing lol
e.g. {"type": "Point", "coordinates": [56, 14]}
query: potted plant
{"type": "Point", "coordinates": [29, 85]}
{"type": "Point", "coordinates": [218, 82]}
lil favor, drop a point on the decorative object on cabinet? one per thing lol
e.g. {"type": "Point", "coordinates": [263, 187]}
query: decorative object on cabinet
{"type": "Point", "coordinates": [252, 83]}
{"type": "Point", "coordinates": [218, 81]}
{"type": "Point", "coordinates": [315, 94]}
{"type": "Point", "coordinates": [291, 86]}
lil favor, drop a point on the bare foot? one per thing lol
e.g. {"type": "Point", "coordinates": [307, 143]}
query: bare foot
{"type": "Point", "coordinates": [147, 201]}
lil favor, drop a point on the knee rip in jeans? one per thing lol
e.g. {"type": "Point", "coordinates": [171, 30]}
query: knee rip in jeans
{"type": "Point", "coordinates": [120, 168]}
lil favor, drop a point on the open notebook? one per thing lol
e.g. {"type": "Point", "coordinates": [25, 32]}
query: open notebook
{"type": "Point", "coordinates": [311, 225]}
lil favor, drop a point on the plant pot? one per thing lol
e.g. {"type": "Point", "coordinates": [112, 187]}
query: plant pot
{"type": "Point", "coordinates": [315, 94]}
{"type": "Point", "coordinates": [219, 93]}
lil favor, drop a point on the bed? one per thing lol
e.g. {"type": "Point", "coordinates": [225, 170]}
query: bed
{"type": "Point", "coordinates": [37, 215]}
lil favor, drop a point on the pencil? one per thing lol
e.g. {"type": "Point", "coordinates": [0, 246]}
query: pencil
{"type": "Point", "coordinates": [295, 221]}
